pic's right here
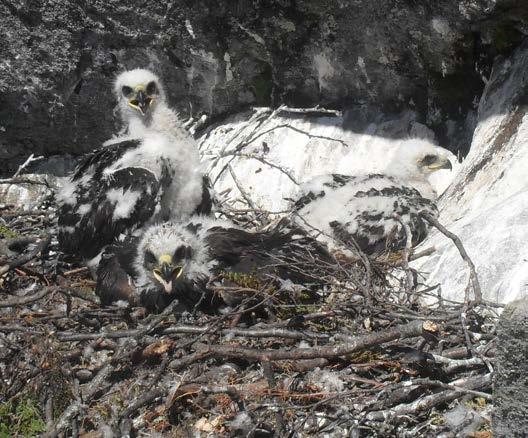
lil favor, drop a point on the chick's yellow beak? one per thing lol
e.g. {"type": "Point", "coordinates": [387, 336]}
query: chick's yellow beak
{"type": "Point", "coordinates": [441, 163]}
{"type": "Point", "coordinates": [165, 273]}
{"type": "Point", "coordinates": [140, 101]}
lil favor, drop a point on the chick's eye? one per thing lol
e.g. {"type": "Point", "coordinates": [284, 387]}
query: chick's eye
{"type": "Point", "coordinates": [429, 159]}
{"type": "Point", "coordinates": [126, 90]}
{"type": "Point", "coordinates": [150, 258]}
{"type": "Point", "coordinates": [152, 88]}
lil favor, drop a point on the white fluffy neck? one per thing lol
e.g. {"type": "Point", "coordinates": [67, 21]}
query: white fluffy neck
{"type": "Point", "coordinates": [423, 186]}
{"type": "Point", "coordinates": [408, 173]}
{"type": "Point", "coordinates": [162, 119]}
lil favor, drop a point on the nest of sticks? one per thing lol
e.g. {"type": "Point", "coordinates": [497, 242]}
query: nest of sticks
{"type": "Point", "coordinates": [367, 349]}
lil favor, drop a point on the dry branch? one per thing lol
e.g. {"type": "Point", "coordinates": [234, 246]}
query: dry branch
{"type": "Point", "coordinates": [26, 163]}
{"type": "Point", "coordinates": [317, 110]}
{"type": "Point", "coordinates": [406, 252]}
{"type": "Point", "coordinates": [21, 301]}
{"type": "Point", "coordinates": [23, 259]}
{"type": "Point", "coordinates": [430, 401]}
{"type": "Point", "coordinates": [458, 243]}
{"type": "Point", "coordinates": [413, 329]}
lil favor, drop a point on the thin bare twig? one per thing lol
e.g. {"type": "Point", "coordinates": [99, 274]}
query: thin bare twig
{"type": "Point", "coordinates": [430, 401]}
{"type": "Point", "coordinates": [19, 180]}
{"type": "Point", "coordinates": [405, 253]}
{"type": "Point", "coordinates": [412, 329]}
{"type": "Point", "coordinates": [263, 161]}
{"type": "Point", "coordinates": [26, 163]}
{"type": "Point", "coordinates": [20, 301]}
{"type": "Point", "coordinates": [458, 243]}
{"type": "Point", "coordinates": [241, 189]}
{"type": "Point", "coordinates": [314, 110]}
{"type": "Point", "coordinates": [23, 259]}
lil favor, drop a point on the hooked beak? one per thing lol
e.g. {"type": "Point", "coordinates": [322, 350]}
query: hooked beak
{"type": "Point", "coordinates": [442, 163]}
{"type": "Point", "coordinates": [166, 273]}
{"type": "Point", "coordinates": [141, 102]}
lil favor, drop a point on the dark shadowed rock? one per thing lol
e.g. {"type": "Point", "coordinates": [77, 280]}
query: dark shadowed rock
{"type": "Point", "coordinates": [510, 418]}
{"type": "Point", "coordinates": [58, 59]}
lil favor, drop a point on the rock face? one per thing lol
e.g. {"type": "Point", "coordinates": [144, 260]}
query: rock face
{"type": "Point", "coordinates": [487, 204]}
{"type": "Point", "coordinates": [374, 57]}
{"type": "Point", "coordinates": [511, 373]}
{"type": "Point", "coordinates": [29, 195]}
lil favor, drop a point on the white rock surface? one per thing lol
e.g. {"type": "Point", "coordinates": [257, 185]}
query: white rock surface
{"type": "Point", "coordinates": [28, 196]}
{"type": "Point", "coordinates": [256, 145]}
{"type": "Point", "coordinates": [487, 204]}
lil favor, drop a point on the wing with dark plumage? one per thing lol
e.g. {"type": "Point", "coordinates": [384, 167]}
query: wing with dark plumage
{"type": "Point", "coordinates": [270, 251]}
{"type": "Point", "coordinates": [100, 206]}
{"type": "Point", "coordinates": [116, 273]}
{"type": "Point", "coordinates": [318, 187]}
{"type": "Point", "coordinates": [230, 246]}
{"type": "Point", "coordinates": [206, 204]}
{"type": "Point", "coordinates": [97, 161]}
{"type": "Point", "coordinates": [361, 209]}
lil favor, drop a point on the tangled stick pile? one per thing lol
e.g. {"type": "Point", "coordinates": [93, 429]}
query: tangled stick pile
{"type": "Point", "coordinates": [357, 352]}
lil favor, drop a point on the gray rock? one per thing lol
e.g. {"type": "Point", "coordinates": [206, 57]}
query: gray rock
{"type": "Point", "coordinates": [32, 193]}
{"type": "Point", "coordinates": [486, 206]}
{"type": "Point", "coordinates": [510, 389]}
{"type": "Point", "coordinates": [58, 60]}
{"type": "Point", "coordinates": [84, 375]}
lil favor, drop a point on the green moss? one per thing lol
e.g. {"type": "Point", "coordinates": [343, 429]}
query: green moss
{"type": "Point", "coordinates": [62, 392]}
{"type": "Point", "coordinates": [299, 309]}
{"type": "Point", "coordinates": [6, 233]}
{"type": "Point", "coordinates": [437, 419]}
{"type": "Point", "coordinates": [478, 403]}
{"type": "Point", "coordinates": [22, 419]}
{"type": "Point", "coordinates": [249, 281]}
{"type": "Point", "coordinates": [365, 356]}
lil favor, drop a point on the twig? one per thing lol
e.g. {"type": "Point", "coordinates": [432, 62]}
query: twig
{"type": "Point", "coordinates": [20, 213]}
{"type": "Point", "coordinates": [316, 109]}
{"type": "Point", "coordinates": [251, 333]}
{"type": "Point", "coordinates": [458, 243]}
{"type": "Point", "coordinates": [452, 365]}
{"type": "Point", "coordinates": [256, 333]}
{"type": "Point", "coordinates": [185, 361]}
{"type": "Point", "coordinates": [241, 189]}
{"type": "Point", "coordinates": [264, 161]}
{"type": "Point", "coordinates": [270, 377]}
{"type": "Point", "coordinates": [75, 271]}
{"type": "Point", "coordinates": [424, 253]}
{"type": "Point", "coordinates": [430, 401]}
{"type": "Point", "coordinates": [20, 301]}
{"type": "Point", "coordinates": [415, 328]}
{"type": "Point", "coordinates": [405, 254]}
{"type": "Point", "coordinates": [438, 384]}
{"type": "Point", "coordinates": [300, 131]}
{"type": "Point", "coordinates": [24, 181]}
{"type": "Point", "coordinates": [136, 333]}
{"type": "Point", "coordinates": [23, 259]}
{"type": "Point", "coordinates": [73, 410]}
{"type": "Point", "coordinates": [26, 163]}
{"type": "Point", "coordinates": [142, 400]}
